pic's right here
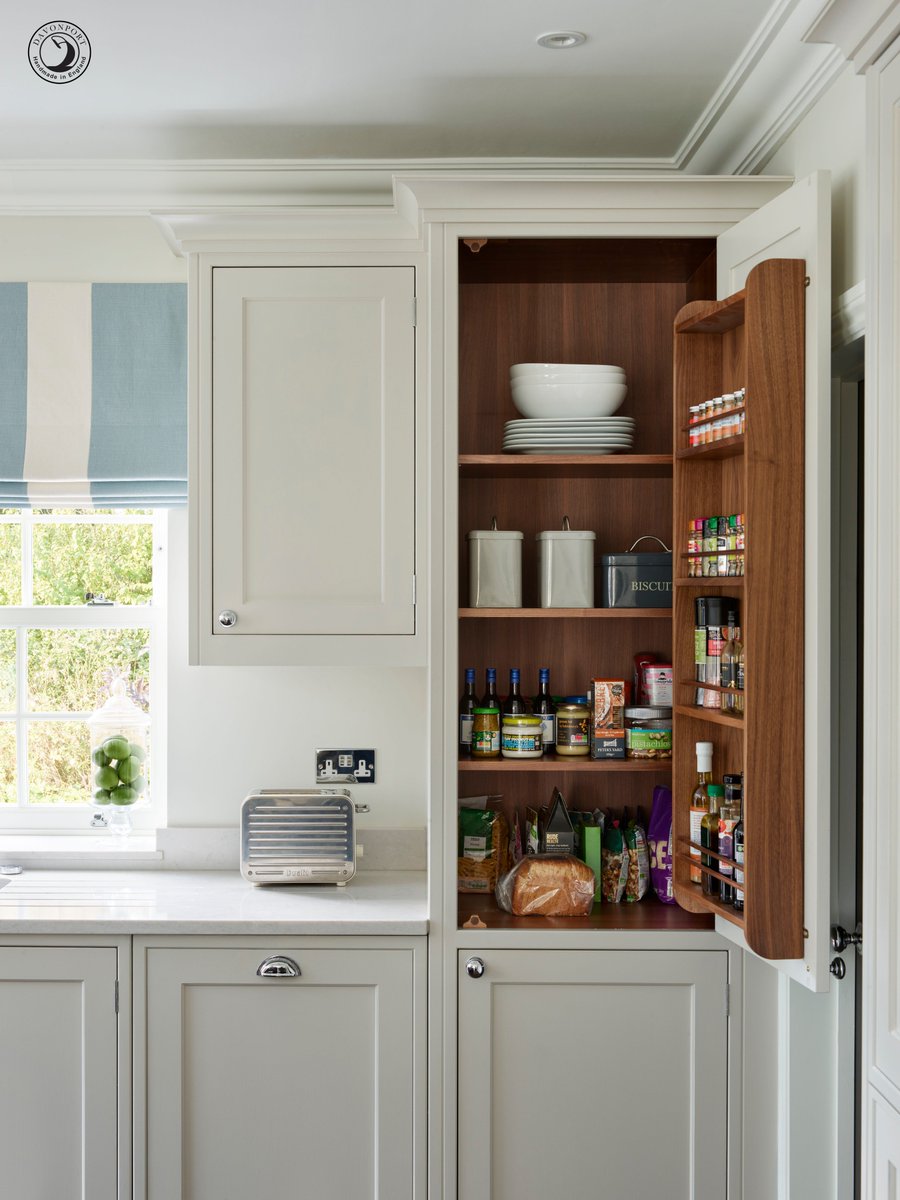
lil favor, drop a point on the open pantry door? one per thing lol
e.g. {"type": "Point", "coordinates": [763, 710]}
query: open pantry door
{"type": "Point", "coordinates": [797, 224]}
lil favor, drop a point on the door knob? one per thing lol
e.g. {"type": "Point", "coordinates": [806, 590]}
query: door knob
{"type": "Point", "coordinates": [474, 968]}
{"type": "Point", "coordinates": [838, 968]}
{"type": "Point", "coordinates": [841, 939]}
{"type": "Point", "coordinates": [227, 618]}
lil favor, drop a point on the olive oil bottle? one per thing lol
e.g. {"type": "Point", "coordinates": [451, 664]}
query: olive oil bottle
{"type": "Point", "coordinates": [700, 801]}
{"type": "Point", "coordinates": [709, 837]}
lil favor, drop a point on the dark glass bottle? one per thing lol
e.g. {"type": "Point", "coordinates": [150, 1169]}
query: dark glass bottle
{"type": "Point", "coordinates": [515, 704]}
{"type": "Point", "coordinates": [544, 708]}
{"type": "Point", "coordinates": [738, 896]}
{"type": "Point", "coordinates": [468, 702]}
{"type": "Point", "coordinates": [490, 699]}
{"type": "Point", "coordinates": [709, 837]}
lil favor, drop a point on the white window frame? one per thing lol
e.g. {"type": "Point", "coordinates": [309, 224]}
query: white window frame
{"type": "Point", "coordinates": [72, 818]}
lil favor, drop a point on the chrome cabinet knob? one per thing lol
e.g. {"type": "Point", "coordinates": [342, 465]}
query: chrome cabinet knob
{"type": "Point", "coordinates": [838, 968]}
{"type": "Point", "coordinates": [279, 966]}
{"type": "Point", "coordinates": [474, 968]}
{"type": "Point", "coordinates": [841, 939]}
{"type": "Point", "coordinates": [227, 618]}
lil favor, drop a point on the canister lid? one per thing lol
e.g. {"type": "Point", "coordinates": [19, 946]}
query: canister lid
{"type": "Point", "coordinates": [508, 535]}
{"type": "Point", "coordinates": [569, 535]}
{"type": "Point", "coordinates": [648, 712]}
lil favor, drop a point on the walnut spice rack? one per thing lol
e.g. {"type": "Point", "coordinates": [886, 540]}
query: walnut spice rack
{"type": "Point", "coordinates": [753, 339]}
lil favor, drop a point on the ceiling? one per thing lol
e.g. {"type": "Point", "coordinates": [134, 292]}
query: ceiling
{"type": "Point", "coordinates": [380, 78]}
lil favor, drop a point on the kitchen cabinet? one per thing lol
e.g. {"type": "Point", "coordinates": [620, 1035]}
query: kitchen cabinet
{"type": "Point", "coordinates": [303, 497]}
{"type": "Point", "coordinates": [589, 1073]}
{"type": "Point", "coordinates": [59, 1100]}
{"type": "Point", "coordinates": [267, 1065]}
{"type": "Point", "coordinates": [533, 297]}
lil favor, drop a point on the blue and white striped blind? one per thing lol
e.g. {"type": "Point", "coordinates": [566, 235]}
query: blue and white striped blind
{"type": "Point", "coordinates": [93, 395]}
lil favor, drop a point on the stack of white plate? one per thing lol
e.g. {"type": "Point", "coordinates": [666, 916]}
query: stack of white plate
{"type": "Point", "coordinates": [597, 435]}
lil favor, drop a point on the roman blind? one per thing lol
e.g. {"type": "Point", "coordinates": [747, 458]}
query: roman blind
{"type": "Point", "coordinates": [93, 395]}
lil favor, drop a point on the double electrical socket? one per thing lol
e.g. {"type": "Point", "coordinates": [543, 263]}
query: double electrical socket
{"type": "Point", "coordinates": [345, 766]}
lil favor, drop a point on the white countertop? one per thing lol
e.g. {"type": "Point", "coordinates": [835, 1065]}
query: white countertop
{"type": "Point", "coordinates": [209, 902]}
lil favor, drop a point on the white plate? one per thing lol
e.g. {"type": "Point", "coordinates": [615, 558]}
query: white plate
{"type": "Point", "coordinates": [576, 422]}
{"type": "Point", "coordinates": [562, 427]}
{"type": "Point", "coordinates": [514, 439]}
{"type": "Point", "coordinates": [568, 449]}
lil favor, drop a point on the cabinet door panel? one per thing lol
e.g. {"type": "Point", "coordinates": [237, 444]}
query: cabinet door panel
{"type": "Point", "coordinates": [313, 449]}
{"type": "Point", "coordinates": [607, 1070]}
{"type": "Point", "coordinates": [254, 1084]}
{"type": "Point", "coordinates": [58, 1044]}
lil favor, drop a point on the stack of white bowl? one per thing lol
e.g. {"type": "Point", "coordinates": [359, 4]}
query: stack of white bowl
{"type": "Point", "coordinates": [568, 409]}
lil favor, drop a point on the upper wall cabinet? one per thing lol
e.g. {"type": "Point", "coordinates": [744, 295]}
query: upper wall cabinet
{"type": "Point", "coordinates": [305, 489]}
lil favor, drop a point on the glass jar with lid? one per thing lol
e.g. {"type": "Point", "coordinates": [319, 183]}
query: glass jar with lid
{"type": "Point", "coordinates": [120, 734]}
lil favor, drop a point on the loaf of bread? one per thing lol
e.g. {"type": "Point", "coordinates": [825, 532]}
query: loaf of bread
{"type": "Point", "coordinates": [547, 885]}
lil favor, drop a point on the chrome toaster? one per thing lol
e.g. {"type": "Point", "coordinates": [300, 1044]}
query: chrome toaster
{"type": "Point", "coordinates": [299, 836]}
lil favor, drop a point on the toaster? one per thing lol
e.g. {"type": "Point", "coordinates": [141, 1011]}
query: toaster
{"type": "Point", "coordinates": [299, 836]}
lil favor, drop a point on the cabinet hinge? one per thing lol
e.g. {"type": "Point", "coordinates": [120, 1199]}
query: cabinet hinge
{"type": "Point", "coordinates": [415, 311]}
{"type": "Point", "coordinates": [414, 591]}
{"type": "Point", "coordinates": [727, 999]}
{"type": "Point", "coordinates": [117, 995]}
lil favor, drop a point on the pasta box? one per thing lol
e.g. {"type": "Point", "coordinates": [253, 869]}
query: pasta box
{"type": "Point", "coordinates": [637, 579]}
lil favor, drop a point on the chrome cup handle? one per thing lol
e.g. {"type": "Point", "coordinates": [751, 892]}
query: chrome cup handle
{"type": "Point", "coordinates": [278, 966]}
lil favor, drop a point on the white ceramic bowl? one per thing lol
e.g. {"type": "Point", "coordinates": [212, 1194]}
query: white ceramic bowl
{"type": "Point", "coordinates": [519, 369]}
{"type": "Point", "coordinates": [547, 400]}
{"type": "Point", "coordinates": [555, 377]}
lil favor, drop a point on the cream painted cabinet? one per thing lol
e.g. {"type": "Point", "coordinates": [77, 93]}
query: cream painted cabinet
{"type": "Point", "coordinates": [58, 1073]}
{"type": "Point", "coordinates": [304, 480]}
{"type": "Point", "coordinates": [592, 1073]}
{"type": "Point", "coordinates": [289, 1070]}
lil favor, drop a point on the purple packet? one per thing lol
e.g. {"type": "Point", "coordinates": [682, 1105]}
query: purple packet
{"type": "Point", "coordinates": [659, 837]}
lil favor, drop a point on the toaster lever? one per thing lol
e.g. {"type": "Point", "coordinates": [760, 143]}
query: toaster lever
{"type": "Point", "coordinates": [278, 966]}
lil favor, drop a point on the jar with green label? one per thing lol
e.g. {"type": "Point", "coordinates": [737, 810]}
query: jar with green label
{"type": "Point", "coordinates": [648, 732]}
{"type": "Point", "coordinates": [486, 733]}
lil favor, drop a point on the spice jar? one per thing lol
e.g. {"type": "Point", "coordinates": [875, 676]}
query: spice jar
{"type": "Point", "coordinates": [520, 737]}
{"type": "Point", "coordinates": [119, 743]}
{"type": "Point", "coordinates": [486, 733]}
{"type": "Point", "coordinates": [573, 730]}
{"type": "Point", "coordinates": [648, 732]}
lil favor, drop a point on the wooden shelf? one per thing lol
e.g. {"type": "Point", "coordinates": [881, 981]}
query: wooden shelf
{"type": "Point", "coordinates": [647, 915]}
{"type": "Point", "coordinates": [562, 466]}
{"type": "Point", "coordinates": [714, 716]}
{"type": "Point", "coordinates": [713, 451]}
{"type": "Point", "coordinates": [716, 316]}
{"type": "Point", "coordinates": [566, 614]}
{"type": "Point", "coordinates": [561, 763]}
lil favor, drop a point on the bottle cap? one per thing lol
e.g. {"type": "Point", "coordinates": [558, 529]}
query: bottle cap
{"type": "Point", "coordinates": [492, 673]}
{"type": "Point", "coordinates": [716, 789]}
{"type": "Point", "coordinates": [704, 756]}
{"type": "Point", "coordinates": [514, 674]}
{"type": "Point", "coordinates": [470, 674]}
{"type": "Point", "coordinates": [544, 674]}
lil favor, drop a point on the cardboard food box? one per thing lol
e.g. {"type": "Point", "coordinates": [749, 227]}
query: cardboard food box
{"type": "Point", "coordinates": [607, 704]}
{"type": "Point", "coordinates": [558, 835]}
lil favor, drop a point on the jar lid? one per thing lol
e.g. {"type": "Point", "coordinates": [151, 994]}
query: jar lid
{"type": "Point", "coordinates": [507, 535]}
{"type": "Point", "coordinates": [522, 721]}
{"type": "Point", "coordinates": [571, 709]}
{"type": "Point", "coordinates": [118, 709]}
{"type": "Point", "coordinates": [482, 712]}
{"type": "Point", "coordinates": [566, 535]}
{"type": "Point", "coordinates": [579, 699]}
{"type": "Point", "coordinates": [648, 712]}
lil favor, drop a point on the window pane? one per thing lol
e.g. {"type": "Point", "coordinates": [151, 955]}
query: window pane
{"type": "Point", "coordinates": [7, 762]}
{"type": "Point", "coordinates": [10, 563]}
{"type": "Point", "coordinates": [70, 670]}
{"type": "Point", "coordinates": [58, 762]}
{"type": "Point", "coordinates": [70, 560]}
{"type": "Point", "coordinates": [7, 670]}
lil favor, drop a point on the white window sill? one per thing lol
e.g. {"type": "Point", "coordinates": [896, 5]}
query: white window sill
{"type": "Point", "coordinates": [78, 850]}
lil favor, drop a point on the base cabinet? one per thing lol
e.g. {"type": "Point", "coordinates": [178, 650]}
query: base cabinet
{"type": "Point", "coordinates": [592, 1073]}
{"type": "Point", "coordinates": [58, 1067]}
{"type": "Point", "coordinates": [280, 1084]}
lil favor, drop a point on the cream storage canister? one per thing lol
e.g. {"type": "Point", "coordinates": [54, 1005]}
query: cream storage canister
{"type": "Point", "coordinates": [566, 567]}
{"type": "Point", "coordinates": [495, 567]}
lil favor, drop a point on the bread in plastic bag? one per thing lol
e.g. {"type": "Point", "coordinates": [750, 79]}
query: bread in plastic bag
{"type": "Point", "coordinates": [547, 885]}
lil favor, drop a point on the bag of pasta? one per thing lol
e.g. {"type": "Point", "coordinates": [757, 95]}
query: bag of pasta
{"type": "Point", "coordinates": [614, 861]}
{"type": "Point", "coordinates": [483, 844]}
{"type": "Point", "coordinates": [638, 878]}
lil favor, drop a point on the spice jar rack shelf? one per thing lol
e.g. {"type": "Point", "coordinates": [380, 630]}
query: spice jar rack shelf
{"type": "Point", "coordinates": [754, 339]}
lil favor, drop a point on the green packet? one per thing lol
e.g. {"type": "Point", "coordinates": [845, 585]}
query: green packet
{"type": "Point", "coordinates": [476, 828]}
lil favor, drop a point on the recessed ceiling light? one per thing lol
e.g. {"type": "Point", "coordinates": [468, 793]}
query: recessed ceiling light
{"type": "Point", "coordinates": [563, 39]}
